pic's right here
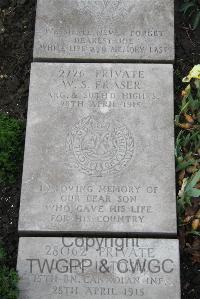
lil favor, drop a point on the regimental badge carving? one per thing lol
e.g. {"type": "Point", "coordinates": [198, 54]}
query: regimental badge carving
{"type": "Point", "coordinates": [104, 10]}
{"type": "Point", "coordinates": [100, 145]}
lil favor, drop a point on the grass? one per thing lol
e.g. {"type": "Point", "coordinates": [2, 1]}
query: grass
{"type": "Point", "coordinates": [8, 279]}
{"type": "Point", "coordinates": [11, 148]}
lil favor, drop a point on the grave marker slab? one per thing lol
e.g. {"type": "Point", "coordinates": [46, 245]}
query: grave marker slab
{"type": "Point", "coordinates": [99, 154]}
{"type": "Point", "coordinates": [106, 30]}
{"type": "Point", "coordinates": [74, 268]}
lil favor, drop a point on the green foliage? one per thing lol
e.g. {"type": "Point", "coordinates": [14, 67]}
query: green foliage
{"type": "Point", "coordinates": [191, 9]}
{"type": "Point", "coordinates": [8, 279]}
{"type": "Point", "coordinates": [186, 150]}
{"type": "Point", "coordinates": [187, 147]}
{"type": "Point", "coordinates": [194, 233]}
{"type": "Point", "coordinates": [188, 191]}
{"type": "Point", "coordinates": [11, 148]}
{"type": "Point", "coordinates": [2, 254]}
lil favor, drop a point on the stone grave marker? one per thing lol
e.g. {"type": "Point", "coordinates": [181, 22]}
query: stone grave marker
{"type": "Point", "coordinates": [105, 29]}
{"type": "Point", "coordinates": [99, 153]}
{"type": "Point", "coordinates": [74, 268]}
{"type": "Point", "coordinates": [99, 150]}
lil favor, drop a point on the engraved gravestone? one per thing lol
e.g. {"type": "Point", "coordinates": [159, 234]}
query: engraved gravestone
{"type": "Point", "coordinates": [99, 149]}
{"type": "Point", "coordinates": [105, 29]}
{"type": "Point", "coordinates": [98, 268]}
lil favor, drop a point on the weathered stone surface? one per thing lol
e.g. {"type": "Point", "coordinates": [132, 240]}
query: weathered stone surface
{"type": "Point", "coordinates": [99, 149]}
{"type": "Point", "coordinates": [113, 29]}
{"type": "Point", "coordinates": [52, 268]}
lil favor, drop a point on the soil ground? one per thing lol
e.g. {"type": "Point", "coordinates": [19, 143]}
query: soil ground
{"type": "Point", "coordinates": [17, 19]}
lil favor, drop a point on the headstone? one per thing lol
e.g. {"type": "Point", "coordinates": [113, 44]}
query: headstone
{"type": "Point", "coordinates": [99, 154]}
{"type": "Point", "coordinates": [105, 29]}
{"type": "Point", "coordinates": [75, 268]}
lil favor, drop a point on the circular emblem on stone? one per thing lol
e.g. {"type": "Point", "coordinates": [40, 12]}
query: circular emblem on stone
{"type": "Point", "coordinates": [101, 145]}
{"type": "Point", "coordinates": [104, 9]}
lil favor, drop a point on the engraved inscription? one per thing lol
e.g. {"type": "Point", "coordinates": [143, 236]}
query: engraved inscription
{"type": "Point", "coordinates": [90, 267]}
{"type": "Point", "coordinates": [97, 162]}
{"type": "Point", "coordinates": [101, 145]}
{"type": "Point", "coordinates": [105, 29]}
